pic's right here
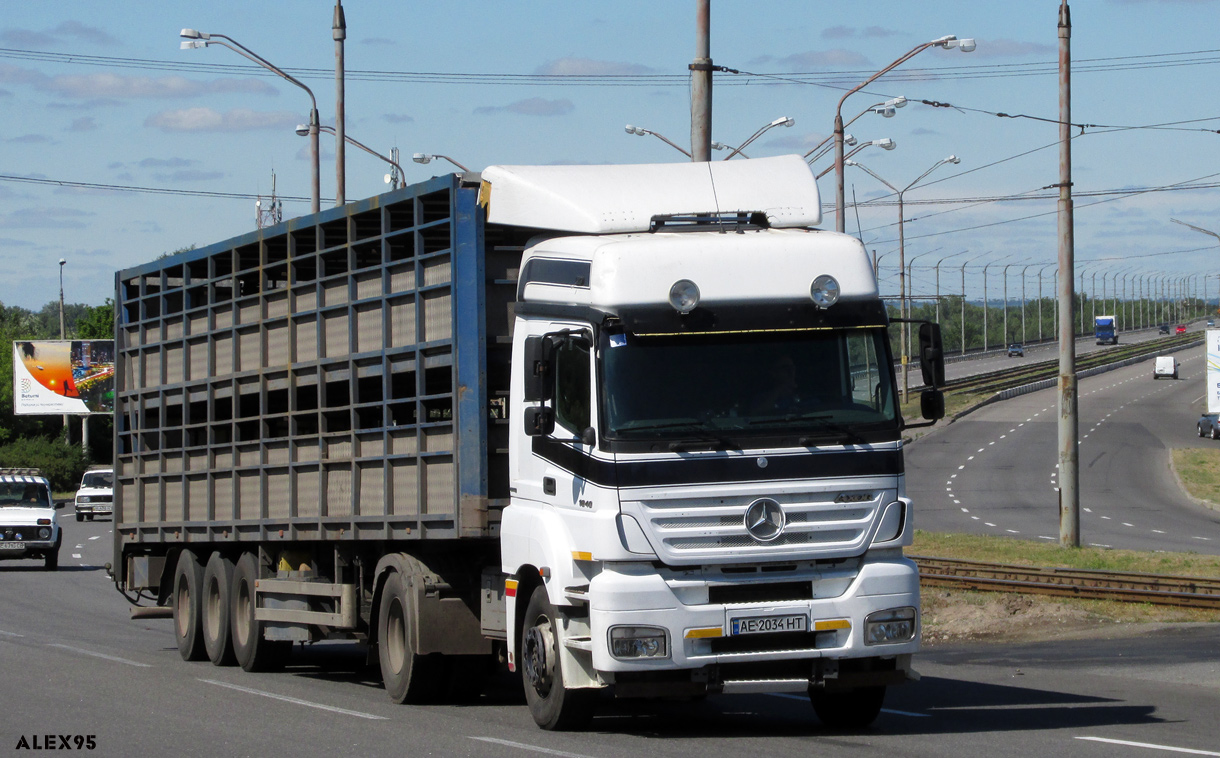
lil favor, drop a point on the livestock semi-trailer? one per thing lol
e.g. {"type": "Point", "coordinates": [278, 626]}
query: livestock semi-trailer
{"type": "Point", "coordinates": [626, 428]}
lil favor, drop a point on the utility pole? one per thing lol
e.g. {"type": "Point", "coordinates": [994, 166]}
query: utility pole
{"type": "Point", "coordinates": [1069, 423]}
{"type": "Point", "coordinates": [701, 85]}
{"type": "Point", "coordinates": [339, 32]}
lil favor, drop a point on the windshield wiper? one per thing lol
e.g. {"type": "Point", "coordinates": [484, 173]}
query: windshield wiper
{"type": "Point", "coordinates": [821, 420]}
{"type": "Point", "coordinates": [703, 435]}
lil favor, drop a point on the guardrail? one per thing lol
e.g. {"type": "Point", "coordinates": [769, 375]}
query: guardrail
{"type": "Point", "coordinates": [1181, 591]}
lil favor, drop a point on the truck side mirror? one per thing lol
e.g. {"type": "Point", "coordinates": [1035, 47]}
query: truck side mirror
{"type": "Point", "coordinates": [932, 405]}
{"type": "Point", "coordinates": [932, 357]}
{"type": "Point", "coordinates": [539, 421]}
{"type": "Point", "coordinates": [539, 380]}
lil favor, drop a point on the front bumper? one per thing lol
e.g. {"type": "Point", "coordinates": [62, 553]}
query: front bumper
{"type": "Point", "coordinates": [700, 634]}
{"type": "Point", "coordinates": [95, 509]}
{"type": "Point", "coordinates": [28, 549]}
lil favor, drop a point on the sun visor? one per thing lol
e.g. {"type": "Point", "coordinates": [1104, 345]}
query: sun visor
{"type": "Point", "coordinates": [625, 198]}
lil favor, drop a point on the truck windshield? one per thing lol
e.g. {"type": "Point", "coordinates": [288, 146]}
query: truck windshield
{"type": "Point", "coordinates": [819, 386]}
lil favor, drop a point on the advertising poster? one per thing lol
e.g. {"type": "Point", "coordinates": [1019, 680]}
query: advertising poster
{"type": "Point", "coordinates": [1213, 370]}
{"type": "Point", "coordinates": [52, 377]}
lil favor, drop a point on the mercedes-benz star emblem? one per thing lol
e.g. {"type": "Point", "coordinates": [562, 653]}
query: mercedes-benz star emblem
{"type": "Point", "coordinates": [764, 519]}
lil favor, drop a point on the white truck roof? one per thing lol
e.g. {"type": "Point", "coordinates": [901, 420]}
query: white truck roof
{"type": "Point", "coordinates": [614, 199]}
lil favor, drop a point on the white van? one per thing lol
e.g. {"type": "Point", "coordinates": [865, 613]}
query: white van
{"type": "Point", "coordinates": [1164, 365]}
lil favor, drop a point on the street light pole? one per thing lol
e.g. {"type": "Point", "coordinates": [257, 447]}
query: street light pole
{"type": "Point", "coordinates": [1069, 424]}
{"type": "Point", "coordinates": [303, 130]}
{"type": "Point", "coordinates": [422, 158]}
{"type": "Point", "coordinates": [948, 41]}
{"type": "Point", "coordinates": [339, 32]}
{"type": "Point", "coordinates": [196, 39]}
{"type": "Point", "coordinates": [781, 121]}
{"type": "Point", "coordinates": [937, 267]}
{"type": "Point", "coordinates": [901, 236]}
{"type": "Point", "coordinates": [701, 85]}
{"type": "Point", "coordinates": [641, 132]}
{"type": "Point", "coordinates": [963, 316]}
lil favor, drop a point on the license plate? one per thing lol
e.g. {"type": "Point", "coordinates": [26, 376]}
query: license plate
{"type": "Point", "coordinates": [12, 546]}
{"type": "Point", "coordinates": [768, 624]}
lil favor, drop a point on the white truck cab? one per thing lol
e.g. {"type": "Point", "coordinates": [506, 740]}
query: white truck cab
{"type": "Point", "coordinates": [28, 525]}
{"type": "Point", "coordinates": [707, 478]}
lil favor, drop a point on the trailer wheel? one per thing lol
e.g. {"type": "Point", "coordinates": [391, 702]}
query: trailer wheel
{"type": "Point", "coordinates": [216, 606]}
{"type": "Point", "coordinates": [408, 677]}
{"type": "Point", "coordinates": [187, 600]}
{"type": "Point", "coordinates": [851, 710]}
{"type": "Point", "coordinates": [553, 706]}
{"type": "Point", "coordinates": [253, 653]}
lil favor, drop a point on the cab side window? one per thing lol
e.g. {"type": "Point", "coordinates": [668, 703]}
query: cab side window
{"type": "Point", "coordinates": [573, 385]}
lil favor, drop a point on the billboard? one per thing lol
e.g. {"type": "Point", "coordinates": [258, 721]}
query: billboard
{"type": "Point", "coordinates": [1213, 370]}
{"type": "Point", "coordinates": [53, 377]}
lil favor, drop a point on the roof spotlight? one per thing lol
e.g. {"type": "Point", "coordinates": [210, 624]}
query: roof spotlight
{"type": "Point", "coordinates": [824, 291]}
{"type": "Point", "coordinates": [684, 296]}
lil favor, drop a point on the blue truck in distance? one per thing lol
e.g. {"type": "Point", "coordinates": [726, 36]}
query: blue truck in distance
{"type": "Point", "coordinates": [1105, 331]}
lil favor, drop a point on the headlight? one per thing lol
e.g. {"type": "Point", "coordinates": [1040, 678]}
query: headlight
{"type": "Point", "coordinates": [44, 533]}
{"type": "Point", "coordinates": [824, 291]}
{"type": "Point", "coordinates": [84, 499]}
{"type": "Point", "coordinates": [891, 626]}
{"type": "Point", "coordinates": [638, 642]}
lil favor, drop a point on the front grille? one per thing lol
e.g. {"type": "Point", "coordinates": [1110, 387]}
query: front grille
{"type": "Point", "coordinates": [23, 533]}
{"type": "Point", "coordinates": [692, 530]}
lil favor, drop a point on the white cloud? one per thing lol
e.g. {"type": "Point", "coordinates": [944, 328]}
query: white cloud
{"type": "Point", "coordinates": [68, 31]}
{"type": "Point", "coordinates": [589, 67]}
{"type": "Point", "coordinates": [814, 59]}
{"type": "Point", "coordinates": [114, 85]}
{"type": "Point", "coordinates": [534, 106]}
{"type": "Point", "coordinates": [208, 120]}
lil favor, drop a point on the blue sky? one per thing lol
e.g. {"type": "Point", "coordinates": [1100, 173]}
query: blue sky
{"type": "Point", "coordinates": [100, 94]}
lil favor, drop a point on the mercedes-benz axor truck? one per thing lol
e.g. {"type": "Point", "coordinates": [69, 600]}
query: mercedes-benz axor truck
{"type": "Point", "coordinates": [626, 430]}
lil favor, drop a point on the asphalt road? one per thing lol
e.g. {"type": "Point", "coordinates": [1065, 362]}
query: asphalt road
{"type": "Point", "coordinates": [994, 470]}
{"type": "Point", "coordinates": [74, 665]}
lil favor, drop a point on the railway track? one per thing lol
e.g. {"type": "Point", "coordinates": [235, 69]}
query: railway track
{"type": "Point", "coordinates": [994, 381]}
{"type": "Point", "coordinates": [1183, 591]}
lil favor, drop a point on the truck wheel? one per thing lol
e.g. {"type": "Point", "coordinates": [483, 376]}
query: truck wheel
{"type": "Point", "coordinates": [553, 706]}
{"type": "Point", "coordinates": [187, 600]}
{"type": "Point", "coordinates": [253, 653]}
{"type": "Point", "coordinates": [408, 677]}
{"type": "Point", "coordinates": [854, 709]}
{"type": "Point", "coordinates": [216, 606]}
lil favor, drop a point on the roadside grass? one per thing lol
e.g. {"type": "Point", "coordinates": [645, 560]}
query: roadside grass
{"type": "Point", "coordinates": [1198, 468]}
{"type": "Point", "coordinates": [956, 615]}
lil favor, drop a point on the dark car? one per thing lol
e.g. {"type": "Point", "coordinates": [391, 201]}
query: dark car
{"type": "Point", "coordinates": [1208, 426]}
{"type": "Point", "coordinates": [1181, 329]}
{"type": "Point", "coordinates": [1164, 329]}
{"type": "Point", "coordinates": [1015, 349]}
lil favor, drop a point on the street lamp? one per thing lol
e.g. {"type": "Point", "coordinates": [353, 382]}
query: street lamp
{"type": "Point", "coordinates": [963, 316]}
{"type": "Point", "coordinates": [641, 132]}
{"type": "Point", "coordinates": [195, 39]}
{"type": "Point", "coordinates": [429, 157]}
{"type": "Point", "coordinates": [1044, 268]}
{"type": "Point", "coordinates": [781, 121]}
{"type": "Point", "coordinates": [886, 109]}
{"type": "Point", "coordinates": [303, 130]}
{"type": "Point", "coordinates": [948, 41]}
{"type": "Point", "coordinates": [884, 143]}
{"type": "Point", "coordinates": [937, 268]}
{"type": "Point", "coordinates": [901, 237]}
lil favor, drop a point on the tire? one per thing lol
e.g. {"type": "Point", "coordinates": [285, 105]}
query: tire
{"type": "Point", "coordinates": [80, 517]}
{"type": "Point", "coordinates": [50, 561]}
{"type": "Point", "coordinates": [553, 706]}
{"type": "Point", "coordinates": [216, 607]}
{"type": "Point", "coordinates": [1215, 433]}
{"type": "Point", "coordinates": [187, 602]}
{"type": "Point", "coordinates": [253, 653]}
{"type": "Point", "coordinates": [1200, 427]}
{"type": "Point", "coordinates": [408, 677]}
{"type": "Point", "coordinates": [848, 711]}
{"type": "Point", "coordinates": [89, 517]}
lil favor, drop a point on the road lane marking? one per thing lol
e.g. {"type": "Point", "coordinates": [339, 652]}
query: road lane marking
{"type": "Point", "coordinates": [76, 555]}
{"type": "Point", "coordinates": [531, 748]}
{"type": "Point", "coordinates": [96, 537]}
{"type": "Point", "coordinates": [10, 634]}
{"type": "Point", "coordinates": [1149, 745]}
{"type": "Point", "coordinates": [103, 656]}
{"type": "Point", "coordinates": [296, 701]}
